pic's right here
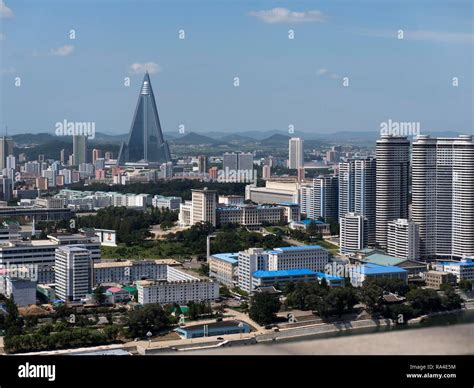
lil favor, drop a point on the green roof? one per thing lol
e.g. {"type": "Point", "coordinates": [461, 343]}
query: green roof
{"type": "Point", "coordinates": [381, 259]}
{"type": "Point", "coordinates": [129, 289]}
{"type": "Point", "coordinates": [184, 309]}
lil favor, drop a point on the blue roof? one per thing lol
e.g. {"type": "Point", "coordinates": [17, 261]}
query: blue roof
{"type": "Point", "coordinates": [373, 269]}
{"type": "Point", "coordinates": [228, 257]}
{"type": "Point", "coordinates": [328, 277]}
{"type": "Point", "coordinates": [308, 221]}
{"type": "Point", "coordinates": [297, 248]}
{"type": "Point", "coordinates": [284, 273]}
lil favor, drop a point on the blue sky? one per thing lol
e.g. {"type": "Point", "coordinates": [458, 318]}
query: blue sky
{"type": "Point", "coordinates": [282, 82]}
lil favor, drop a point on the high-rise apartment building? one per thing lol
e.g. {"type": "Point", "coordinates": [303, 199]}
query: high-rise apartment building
{"type": "Point", "coordinates": [6, 148]}
{"type": "Point", "coordinates": [357, 191]}
{"type": "Point", "coordinates": [319, 199]}
{"type": "Point", "coordinates": [443, 195]}
{"type": "Point", "coordinates": [62, 156]}
{"type": "Point", "coordinates": [266, 172]}
{"type": "Point", "coordinates": [204, 204]}
{"type": "Point", "coordinates": [392, 176]}
{"type": "Point", "coordinates": [403, 239]}
{"type": "Point", "coordinates": [230, 161]}
{"type": "Point", "coordinates": [96, 154]}
{"type": "Point", "coordinates": [353, 233]}
{"type": "Point", "coordinates": [202, 164]}
{"type": "Point", "coordinates": [245, 160]}
{"type": "Point", "coordinates": [79, 149]}
{"type": "Point", "coordinates": [73, 273]}
{"type": "Point", "coordinates": [11, 162]}
{"type": "Point", "coordinates": [296, 156]}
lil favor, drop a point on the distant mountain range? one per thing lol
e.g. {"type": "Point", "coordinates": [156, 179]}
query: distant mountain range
{"type": "Point", "coordinates": [274, 138]}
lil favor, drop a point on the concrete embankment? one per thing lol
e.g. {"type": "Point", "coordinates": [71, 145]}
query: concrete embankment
{"type": "Point", "coordinates": [314, 331]}
{"type": "Point", "coordinates": [310, 331]}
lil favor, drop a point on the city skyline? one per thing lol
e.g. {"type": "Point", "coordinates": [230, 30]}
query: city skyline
{"type": "Point", "coordinates": [283, 82]}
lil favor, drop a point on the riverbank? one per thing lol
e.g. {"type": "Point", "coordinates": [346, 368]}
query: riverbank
{"type": "Point", "coordinates": [442, 340]}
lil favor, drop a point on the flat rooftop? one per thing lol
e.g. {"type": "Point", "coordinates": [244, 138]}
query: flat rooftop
{"type": "Point", "coordinates": [381, 259]}
{"type": "Point", "coordinates": [232, 323]}
{"type": "Point", "coordinates": [284, 273]}
{"type": "Point", "coordinates": [231, 258]}
{"type": "Point", "coordinates": [374, 269]}
{"type": "Point", "coordinates": [296, 249]}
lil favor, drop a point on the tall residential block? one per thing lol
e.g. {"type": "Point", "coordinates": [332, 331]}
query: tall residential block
{"type": "Point", "coordinates": [392, 177]}
{"type": "Point", "coordinates": [73, 272]}
{"type": "Point", "coordinates": [357, 191]}
{"type": "Point", "coordinates": [79, 149]}
{"type": "Point", "coordinates": [295, 151]}
{"type": "Point", "coordinates": [6, 148]}
{"type": "Point", "coordinates": [204, 204]}
{"type": "Point", "coordinates": [443, 195]}
{"type": "Point", "coordinates": [403, 239]}
{"type": "Point", "coordinates": [319, 199]}
{"type": "Point", "coordinates": [353, 234]}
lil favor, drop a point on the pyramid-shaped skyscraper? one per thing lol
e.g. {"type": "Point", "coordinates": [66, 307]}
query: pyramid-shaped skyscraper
{"type": "Point", "coordinates": [145, 142]}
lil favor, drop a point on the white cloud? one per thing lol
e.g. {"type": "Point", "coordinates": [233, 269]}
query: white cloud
{"type": "Point", "coordinates": [322, 71]}
{"type": "Point", "coordinates": [426, 35]}
{"type": "Point", "coordinates": [5, 12]}
{"type": "Point", "coordinates": [326, 73]}
{"type": "Point", "coordinates": [7, 70]}
{"type": "Point", "coordinates": [141, 68]}
{"type": "Point", "coordinates": [62, 51]}
{"type": "Point", "coordinates": [284, 15]}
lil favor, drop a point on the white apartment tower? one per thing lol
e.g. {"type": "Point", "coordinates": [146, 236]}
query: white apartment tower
{"type": "Point", "coordinates": [392, 153]}
{"type": "Point", "coordinates": [443, 195]}
{"type": "Point", "coordinates": [403, 239]}
{"type": "Point", "coordinates": [353, 232]}
{"type": "Point", "coordinates": [319, 199]}
{"type": "Point", "coordinates": [295, 160]}
{"type": "Point", "coordinates": [204, 203]}
{"type": "Point", "coordinates": [357, 191]}
{"type": "Point", "coordinates": [73, 272]}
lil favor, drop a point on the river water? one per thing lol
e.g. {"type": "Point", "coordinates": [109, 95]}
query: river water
{"type": "Point", "coordinates": [445, 335]}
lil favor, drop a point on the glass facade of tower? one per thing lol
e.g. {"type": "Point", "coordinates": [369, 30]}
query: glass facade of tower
{"type": "Point", "coordinates": [145, 142]}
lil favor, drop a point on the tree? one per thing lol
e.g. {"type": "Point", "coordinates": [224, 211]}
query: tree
{"type": "Point", "coordinates": [400, 313]}
{"type": "Point", "coordinates": [312, 230]}
{"type": "Point", "coordinates": [263, 307]}
{"type": "Point", "coordinates": [465, 285]}
{"type": "Point", "coordinates": [424, 301]}
{"type": "Point", "coordinates": [99, 295]}
{"type": "Point", "coordinates": [371, 295]}
{"type": "Point", "coordinates": [224, 291]}
{"type": "Point", "coordinates": [150, 317]}
{"type": "Point", "coordinates": [111, 332]}
{"type": "Point", "coordinates": [396, 286]}
{"type": "Point", "coordinates": [204, 269]}
{"type": "Point", "coordinates": [193, 311]}
{"type": "Point", "coordinates": [450, 300]}
{"type": "Point", "coordinates": [13, 322]}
